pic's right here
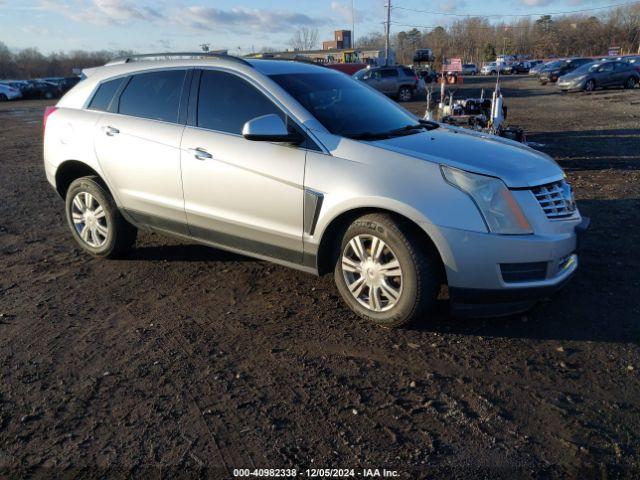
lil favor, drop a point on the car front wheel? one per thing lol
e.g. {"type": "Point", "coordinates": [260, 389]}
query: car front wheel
{"type": "Point", "coordinates": [95, 221]}
{"type": "Point", "coordinates": [405, 94]}
{"type": "Point", "coordinates": [630, 83]}
{"type": "Point", "coordinates": [590, 86]}
{"type": "Point", "coordinates": [384, 273]}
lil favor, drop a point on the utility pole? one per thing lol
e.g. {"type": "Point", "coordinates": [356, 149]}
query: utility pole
{"type": "Point", "coordinates": [353, 26]}
{"type": "Point", "coordinates": [387, 33]}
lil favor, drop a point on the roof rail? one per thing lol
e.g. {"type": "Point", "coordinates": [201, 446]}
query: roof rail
{"type": "Point", "coordinates": [286, 58]}
{"type": "Point", "coordinates": [176, 55]}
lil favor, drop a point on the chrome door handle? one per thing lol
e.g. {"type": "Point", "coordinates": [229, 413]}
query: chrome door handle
{"type": "Point", "coordinates": [110, 131]}
{"type": "Point", "coordinates": [200, 153]}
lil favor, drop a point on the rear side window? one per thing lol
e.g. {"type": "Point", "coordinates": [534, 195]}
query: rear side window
{"type": "Point", "coordinates": [154, 95]}
{"type": "Point", "coordinates": [408, 72]}
{"type": "Point", "coordinates": [226, 102]}
{"type": "Point", "coordinates": [104, 94]}
{"type": "Point", "coordinates": [389, 73]}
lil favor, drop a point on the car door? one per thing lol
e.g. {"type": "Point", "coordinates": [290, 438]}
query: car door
{"type": "Point", "coordinates": [390, 80]}
{"type": "Point", "coordinates": [374, 79]}
{"type": "Point", "coordinates": [137, 143]}
{"type": "Point", "coordinates": [620, 73]}
{"type": "Point", "coordinates": [241, 194]}
{"type": "Point", "coordinates": [606, 74]}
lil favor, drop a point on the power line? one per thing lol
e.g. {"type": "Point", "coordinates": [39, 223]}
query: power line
{"type": "Point", "coordinates": [495, 27]}
{"type": "Point", "coordinates": [567, 12]}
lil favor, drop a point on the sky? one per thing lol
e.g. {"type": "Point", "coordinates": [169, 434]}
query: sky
{"type": "Point", "coordinates": [241, 26]}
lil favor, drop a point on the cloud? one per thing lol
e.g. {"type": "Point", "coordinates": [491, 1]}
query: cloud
{"type": "Point", "coordinates": [102, 12]}
{"type": "Point", "coordinates": [239, 18]}
{"type": "Point", "coordinates": [33, 30]}
{"type": "Point", "coordinates": [450, 6]}
{"type": "Point", "coordinates": [535, 3]}
{"type": "Point", "coordinates": [344, 11]}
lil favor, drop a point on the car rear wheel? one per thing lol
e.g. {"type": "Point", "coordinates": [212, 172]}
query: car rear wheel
{"type": "Point", "coordinates": [95, 221]}
{"type": "Point", "coordinates": [630, 83]}
{"type": "Point", "coordinates": [590, 86]}
{"type": "Point", "coordinates": [384, 273]}
{"type": "Point", "coordinates": [405, 94]}
{"type": "Point", "coordinates": [3, 97]}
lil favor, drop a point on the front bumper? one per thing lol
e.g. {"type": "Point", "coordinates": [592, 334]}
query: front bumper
{"type": "Point", "coordinates": [570, 86]}
{"type": "Point", "coordinates": [473, 264]}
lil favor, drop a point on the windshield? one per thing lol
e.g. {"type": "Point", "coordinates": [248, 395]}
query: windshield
{"type": "Point", "coordinates": [345, 106]}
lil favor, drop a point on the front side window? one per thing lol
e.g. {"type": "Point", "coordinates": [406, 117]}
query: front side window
{"type": "Point", "coordinates": [343, 105]}
{"type": "Point", "coordinates": [153, 95]}
{"type": "Point", "coordinates": [104, 94]}
{"type": "Point", "coordinates": [226, 102]}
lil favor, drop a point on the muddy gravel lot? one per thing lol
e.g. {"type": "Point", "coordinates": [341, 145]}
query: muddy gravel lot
{"type": "Point", "coordinates": [187, 361]}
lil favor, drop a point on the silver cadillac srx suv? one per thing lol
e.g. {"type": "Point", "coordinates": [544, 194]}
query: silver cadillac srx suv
{"type": "Point", "coordinates": [304, 166]}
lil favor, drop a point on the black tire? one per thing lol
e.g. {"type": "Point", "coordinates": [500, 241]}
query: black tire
{"type": "Point", "coordinates": [630, 83]}
{"type": "Point", "coordinates": [405, 94]}
{"type": "Point", "coordinates": [590, 86]}
{"type": "Point", "coordinates": [3, 97]}
{"type": "Point", "coordinates": [48, 95]}
{"type": "Point", "coordinates": [121, 234]}
{"type": "Point", "coordinates": [420, 270]}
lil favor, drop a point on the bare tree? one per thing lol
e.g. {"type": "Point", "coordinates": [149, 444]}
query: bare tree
{"type": "Point", "coordinates": [304, 39]}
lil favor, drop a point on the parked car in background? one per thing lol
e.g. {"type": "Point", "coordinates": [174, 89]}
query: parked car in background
{"type": "Point", "coordinates": [555, 70]}
{"type": "Point", "coordinates": [39, 89]}
{"type": "Point", "coordinates": [506, 68]}
{"type": "Point", "coordinates": [68, 83]}
{"type": "Point", "coordinates": [521, 67]}
{"type": "Point", "coordinates": [397, 81]}
{"type": "Point", "coordinates": [7, 92]}
{"type": "Point", "coordinates": [600, 75]}
{"type": "Point", "coordinates": [469, 69]}
{"type": "Point", "coordinates": [17, 84]}
{"type": "Point", "coordinates": [490, 68]}
{"type": "Point", "coordinates": [538, 67]}
{"type": "Point", "coordinates": [633, 60]}
{"type": "Point", "coordinates": [306, 167]}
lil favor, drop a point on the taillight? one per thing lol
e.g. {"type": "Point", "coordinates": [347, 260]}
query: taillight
{"type": "Point", "coordinates": [47, 113]}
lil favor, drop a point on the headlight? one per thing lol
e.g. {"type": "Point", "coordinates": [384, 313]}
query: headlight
{"type": "Point", "coordinates": [499, 209]}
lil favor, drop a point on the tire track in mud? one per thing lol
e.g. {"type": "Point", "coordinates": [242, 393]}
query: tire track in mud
{"type": "Point", "coordinates": [188, 364]}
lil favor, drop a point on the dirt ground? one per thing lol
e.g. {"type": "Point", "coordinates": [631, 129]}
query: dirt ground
{"type": "Point", "coordinates": [187, 361]}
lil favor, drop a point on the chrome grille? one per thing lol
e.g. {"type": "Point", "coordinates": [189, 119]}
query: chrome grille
{"type": "Point", "coordinates": [556, 199]}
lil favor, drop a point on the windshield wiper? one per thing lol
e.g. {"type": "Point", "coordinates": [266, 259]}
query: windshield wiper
{"type": "Point", "coordinates": [428, 124]}
{"type": "Point", "coordinates": [367, 136]}
{"type": "Point", "coordinates": [406, 130]}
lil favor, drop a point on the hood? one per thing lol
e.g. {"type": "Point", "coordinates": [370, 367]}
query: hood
{"type": "Point", "coordinates": [516, 164]}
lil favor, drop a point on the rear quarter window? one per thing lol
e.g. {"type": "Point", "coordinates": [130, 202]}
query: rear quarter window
{"type": "Point", "coordinates": [103, 96]}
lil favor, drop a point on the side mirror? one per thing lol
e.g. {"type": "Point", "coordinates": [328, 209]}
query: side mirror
{"type": "Point", "coordinates": [269, 128]}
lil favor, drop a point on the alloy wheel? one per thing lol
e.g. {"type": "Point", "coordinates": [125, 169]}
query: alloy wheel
{"type": "Point", "coordinates": [405, 94]}
{"type": "Point", "coordinates": [372, 272]}
{"type": "Point", "coordinates": [89, 219]}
